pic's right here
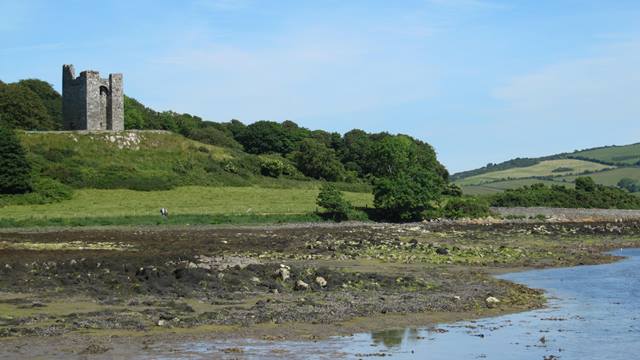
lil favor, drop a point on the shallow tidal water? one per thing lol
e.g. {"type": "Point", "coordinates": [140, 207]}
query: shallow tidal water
{"type": "Point", "coordinates": [593, 313]}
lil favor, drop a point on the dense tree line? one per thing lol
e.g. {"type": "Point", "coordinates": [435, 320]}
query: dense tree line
{"type": "Point", "coordinates": [587, 194]}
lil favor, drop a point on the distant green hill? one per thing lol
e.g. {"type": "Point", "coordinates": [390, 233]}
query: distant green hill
{"type": "Point", "coordinates": [606, 165]}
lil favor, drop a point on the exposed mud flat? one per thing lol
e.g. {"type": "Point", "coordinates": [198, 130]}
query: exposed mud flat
{"type": "Point", "coordinates": [105, 290]}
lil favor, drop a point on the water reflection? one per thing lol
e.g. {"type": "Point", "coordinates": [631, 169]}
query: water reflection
{"type": "Point", "coordinates": [392, 338]}
{"type": "Point", "coordinates": [593, 313]}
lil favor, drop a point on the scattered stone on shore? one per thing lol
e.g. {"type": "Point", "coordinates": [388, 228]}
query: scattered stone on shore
{"type": "Point", "coordinates": [283, 273]}
{"type": "Point", "coordinates": [162, 322]}
{"type": "Point", "coordinates": [301, 285]}
{"type": "Point", "coordinates": [321, 281]}
{"type": "Point", "coordinates": [255, 279]}
{"type": "Point", "coordinates": [192, 265]}
{"type": "Point", "coordinates": [442, 251]}
{"type": "Point", "coordinates": [94, 349]}
{"type": "Point", "coordinates": [492, 301]}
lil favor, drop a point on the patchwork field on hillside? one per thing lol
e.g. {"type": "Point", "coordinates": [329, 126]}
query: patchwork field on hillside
{"type": "Point", "coordinates": [621, 155]}
{"type": "Point", "coordinates": [611, 177]}
{"type": "Point", "coordinates": [544, 168]}
{"type": "Point", "coordinates": [499, 186]}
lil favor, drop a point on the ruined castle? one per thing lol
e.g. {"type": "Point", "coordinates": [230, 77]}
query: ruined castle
{"type": "Point", "coordinates": [92, 103]}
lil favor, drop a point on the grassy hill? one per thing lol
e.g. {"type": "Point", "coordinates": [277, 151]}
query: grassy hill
{"type": "Point", "coordinates": [151, 160]}
{"type": "Point", "coordinates": [126, 177]}
{"type": "Point", "coordinates": [606, 165]}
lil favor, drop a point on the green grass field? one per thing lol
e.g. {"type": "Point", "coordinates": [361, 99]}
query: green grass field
{"type": "Point", "coordinates": [544, 168]}
{"type": "Point", "coordinates": [611, 177]}
{"type": "Point", "coordinates": [623, 155]}
{"type": "Point", "coordinates": [499, 186]}
{"type": "Point", "coordinates": [182, 201]}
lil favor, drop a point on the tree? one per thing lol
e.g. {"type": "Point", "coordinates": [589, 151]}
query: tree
{"type": "Point", "coordinates": [332, 200]}
{"type": "Point", "coordinates": [264, 137]}
{"type": "Point", "coordinates": [15, 171]}
{"type": "Point", "coordinates": [408, 194]}
{"type": "Point", "coordinates": [50, 98]}
{"type": "Point", "coordinates": [630, 185]}
{"type": "Point", "coordinates": [236, 127]}
{"type": "Point", "coordinates": [585, 184]}
{"type": "Point", "coordinates": [316, 160]}
{"type": "Point", "coordinates": [394, 154]}
{"type": "Point", "coordinates": [356, 151]}
{"type": "Point", "coordinates": [21, 108]}
{"type": "Point", "coordinates": [134, 114]}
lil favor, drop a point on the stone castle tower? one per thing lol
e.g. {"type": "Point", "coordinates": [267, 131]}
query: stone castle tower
{"type": "Point", "coordinates": [92, 103]}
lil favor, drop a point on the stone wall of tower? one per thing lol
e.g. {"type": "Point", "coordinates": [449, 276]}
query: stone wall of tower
{"type": "Point", "coordinates": [74, 100]}
{"type": "Point", "coordinates": [116, 104]}
{"type": "Point", "coordinates": [90, 102]}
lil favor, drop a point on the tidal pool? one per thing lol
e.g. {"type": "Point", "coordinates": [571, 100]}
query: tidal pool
{"type": "Point", "coordinates": [593, 313]}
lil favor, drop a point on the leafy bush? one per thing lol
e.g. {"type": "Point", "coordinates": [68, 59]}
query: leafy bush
{"type": "Point", "coordinates": [628, 184]}
{"type": "Point", "coordinates": [45, 191]}
{"type": "Point", "coordinates": [51, 190]}
{"type": "Point", "coordinates": [275, 167]}
{"type": "Point", "coordinates": [587, 194]}
{"type": "Point", "coordinates": [338, 209]}
{"type": "Point", "coordinates": [213, 136]}
{"type": "Point", "coordinates": [465, 207]}
{"type": "Point", "coordinates": [562, 169]}
{"type": "Point", "coordinates": [15, 171]}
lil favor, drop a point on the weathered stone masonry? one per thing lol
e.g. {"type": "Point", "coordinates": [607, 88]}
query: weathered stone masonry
{"type": "Point", "coordinates": [92, 103]}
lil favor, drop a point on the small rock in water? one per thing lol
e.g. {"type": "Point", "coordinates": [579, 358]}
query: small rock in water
{"type": "Point", "coordinates": [321, 281]}
{"type": "Point", "coordinates": [301, 285]}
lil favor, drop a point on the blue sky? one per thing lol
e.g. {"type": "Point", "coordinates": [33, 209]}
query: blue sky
{"type": "Point", "coordinates": [481, 80]}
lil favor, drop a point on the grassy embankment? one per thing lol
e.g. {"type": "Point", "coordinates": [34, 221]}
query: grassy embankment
{"type": "Point", "coordinates": [125, 178]}
{"type": "Point", "coordinates": [187, 205]}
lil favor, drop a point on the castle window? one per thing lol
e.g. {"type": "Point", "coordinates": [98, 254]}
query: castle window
{"type": "Point", "coordinates": [104, 90]}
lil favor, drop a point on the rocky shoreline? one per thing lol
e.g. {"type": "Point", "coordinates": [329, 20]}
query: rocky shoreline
{"type": "Point", "coordinates": [277, 282]}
